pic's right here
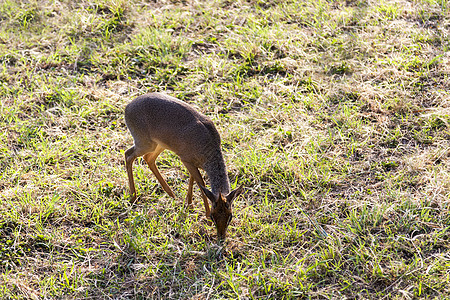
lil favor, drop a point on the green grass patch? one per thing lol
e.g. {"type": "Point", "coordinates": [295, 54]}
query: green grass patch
{"type": "Point", "coordinates": [334, 115]}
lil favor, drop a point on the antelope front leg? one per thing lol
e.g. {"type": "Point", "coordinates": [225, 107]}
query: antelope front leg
{"type": "Point", "coordinates": [197, 177]}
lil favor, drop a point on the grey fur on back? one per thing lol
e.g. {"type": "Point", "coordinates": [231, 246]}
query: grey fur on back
{"type": "Point", "coordinates": [157, 119]}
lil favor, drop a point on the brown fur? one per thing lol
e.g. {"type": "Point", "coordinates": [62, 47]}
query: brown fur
{"type": "Point", "coordinates": [158, 122]}
{"type": "Point", "coordinates": [221, 213]}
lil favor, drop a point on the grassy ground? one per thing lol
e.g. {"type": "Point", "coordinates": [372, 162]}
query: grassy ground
{"type": "Point", "coordinates": [333, 114]}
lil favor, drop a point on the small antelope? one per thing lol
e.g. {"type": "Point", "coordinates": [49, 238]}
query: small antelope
{"type": "Point", "coordinates": [158, 122]}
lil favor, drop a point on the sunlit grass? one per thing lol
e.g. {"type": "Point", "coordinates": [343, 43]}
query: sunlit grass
{"type": "Point", "coordinates": [334, 115]}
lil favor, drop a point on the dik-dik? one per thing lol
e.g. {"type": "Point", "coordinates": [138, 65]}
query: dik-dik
{"type": "Point", "coordinates": [158, 122]}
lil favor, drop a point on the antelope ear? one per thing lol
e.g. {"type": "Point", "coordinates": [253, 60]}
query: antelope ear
{"type": "Point", "coordinates": [208, 194]}
{"type": "Point", "coordinates": [234, 194]}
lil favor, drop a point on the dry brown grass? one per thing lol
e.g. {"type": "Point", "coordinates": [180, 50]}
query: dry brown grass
{"type": "Point", "coordinates": [333, 114]}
